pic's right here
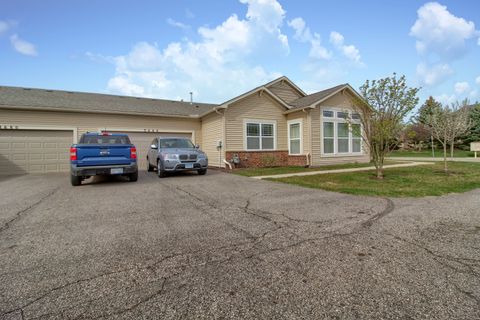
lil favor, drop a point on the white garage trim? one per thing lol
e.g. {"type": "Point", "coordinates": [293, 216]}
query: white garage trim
{"type": "Point", "coordinates": [49, 128]}
{"type": "Point", "coordinates": [150, 130]}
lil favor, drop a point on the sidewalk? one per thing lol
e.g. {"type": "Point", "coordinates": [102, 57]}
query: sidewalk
{"type": "Point", "coordinates": [466, 159]}
{"type": "Point", "coordinates": [311, 173]}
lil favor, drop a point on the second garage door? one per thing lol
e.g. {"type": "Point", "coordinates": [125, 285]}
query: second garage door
{"type": "Point", "coordinates": [142, 141]}
{"type": "Point", "coordinates": [34, 151]}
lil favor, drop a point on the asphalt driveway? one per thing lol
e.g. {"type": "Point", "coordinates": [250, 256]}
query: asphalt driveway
{"type": "Point", "coordinates": [224, 246]}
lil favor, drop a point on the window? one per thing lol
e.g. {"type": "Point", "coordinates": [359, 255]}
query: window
{"type": "Point", "coordinates": [342, 137]}
{"type": "Point", "coordinates": [295, 137]}
{"type": "Point", "coordinates": [328, 137]}
{"type": "Point", "coordinates": [260, 136]}
{"type": "Point", "coordinates": [342, 132]}
{"type": "Point", "coordinates": [356, 137]}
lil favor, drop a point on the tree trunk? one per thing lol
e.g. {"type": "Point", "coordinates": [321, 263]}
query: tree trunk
{"type": "Point", "coordinates": [451, 149]}
{"type": "Point", "coordinates": [445, 167]}
{"type": "Point", "coordinates": [433, 148]}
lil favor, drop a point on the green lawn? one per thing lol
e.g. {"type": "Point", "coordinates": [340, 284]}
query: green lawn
{"type": "Point", "coordinates": [425, 180]}
{"type": "Point", "coordinates": [251, 172]}
{"type": "Point", "coordinates": [428, 153]}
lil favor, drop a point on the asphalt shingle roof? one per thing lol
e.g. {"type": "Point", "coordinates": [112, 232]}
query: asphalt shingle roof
{"type": "Point", "coordinates": [94, 102]}
{"type": "Point", "coordinates": [312, 98]}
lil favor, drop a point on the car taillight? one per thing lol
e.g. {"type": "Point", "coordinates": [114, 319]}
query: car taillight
{"type": "Point", "coordinates": [73, 153]}
{"type": "Point", "coordinates": [133, 153]}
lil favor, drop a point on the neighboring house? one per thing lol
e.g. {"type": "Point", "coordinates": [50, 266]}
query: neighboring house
{"type": "Point", "coordinates": [273, 124]}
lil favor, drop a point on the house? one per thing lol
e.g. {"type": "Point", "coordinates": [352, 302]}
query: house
{"type": "Point", "coordinates": [274, 124]}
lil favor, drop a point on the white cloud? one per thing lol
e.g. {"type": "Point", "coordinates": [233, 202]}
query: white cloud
{"type": "Point", "coordinates": [178, 24]}
{"type": "Point", "coordinates": [446, 99]}
{"type": "Point", "coordinates": [477, 80]}
{"type": "Point", "coordinates": [215, 68]}
{"type": "Point", "coordinates": [349, 51]}
{"type": "Point", "coordinates": [461, 87]}
{"type": "Point", "coordinates": [439, 32]}
{"type": "Point", "coordinates": [4, 26]}
{"type": "Point", "coordinates": [303, 34]}
{"type": "Point", "coordinates": [22, 46]}
{"type": "Point", "coordinates": [433, 75]}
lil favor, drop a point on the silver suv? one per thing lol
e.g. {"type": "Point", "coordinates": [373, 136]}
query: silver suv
{"type": "Point", "coordinates": [171, 154]}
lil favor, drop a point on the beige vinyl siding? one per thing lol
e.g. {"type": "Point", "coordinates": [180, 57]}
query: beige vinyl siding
{"type": "Point", "coordinates": [93, 122]}
{"type": "Point", "coordinates": [286, 92]}
{"type": "Point", "coordinates": [302, 116]}
{"type": "Point", "coordinates": [258, 106]}
{"type": "Point", "coordinates": [212, 132]}
{"type": "Point", "coordinates": [339, 100]}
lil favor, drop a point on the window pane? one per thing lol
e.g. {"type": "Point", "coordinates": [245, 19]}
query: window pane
{"type": "Point", "coordinates": [355, 116]}
{"type": "Point", "coordinates": [327, 113]}
{"type": "Point", "coordinates": [253, 129]}
{"type": "Point", "coordinates": [267, 130]}
{"type": "Point", "coordinates": [295, 146]}
{"type": "Point", "coordinates": [342, 145]}
{"type": "Point", "coordinates": [356, 143]}
{"type": "Point", "coordinates": [342, 115]}
{"type": "Point", "coordinates": [328, 129]}
{"type": "Point", "coordinates": [356, 131]}
{"type": "Point", "coordinates": [295, 131]}
{"type": "Point", "coordinates": [327, 145]}
{"type": "Point", "coordinates": [253, 143]}
{"type": "Point", "coordinates": [342, 130]}
{"type": "Point", "coordinates": [267, 143]}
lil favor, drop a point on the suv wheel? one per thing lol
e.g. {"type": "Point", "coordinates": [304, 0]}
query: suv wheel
{"type": "Point", "coordinates": [161, 173]}
{"type": "Point", "coordinates": [149, 166]}
{"type": "Point", "coordinates": [202, 172]}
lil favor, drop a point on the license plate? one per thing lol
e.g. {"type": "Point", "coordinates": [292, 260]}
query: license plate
{"type": "Point", "coordinates": [188, 165]}
{"type": "Point", "coordinates": [116, 170]}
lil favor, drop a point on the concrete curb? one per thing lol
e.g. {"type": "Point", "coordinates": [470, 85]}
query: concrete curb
{"type": "Point", "coordinates": [312, 173]}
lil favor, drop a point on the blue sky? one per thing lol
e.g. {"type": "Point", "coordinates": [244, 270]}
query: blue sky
{"type": "Point", "coordinates": [219, 49]}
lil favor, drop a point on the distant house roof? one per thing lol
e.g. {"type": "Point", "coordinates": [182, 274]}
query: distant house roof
{"type": "Point", "coordinates": [42, 99]}
{"type": "Point", "coordinates": [314, 97]}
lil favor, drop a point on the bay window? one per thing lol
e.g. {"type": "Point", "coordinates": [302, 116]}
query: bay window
{"type": "Point", "coordinates": [260, 135]}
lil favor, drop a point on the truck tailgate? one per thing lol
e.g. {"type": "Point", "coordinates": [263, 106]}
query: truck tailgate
{"type": "Point", "coordinates": [102, 154]}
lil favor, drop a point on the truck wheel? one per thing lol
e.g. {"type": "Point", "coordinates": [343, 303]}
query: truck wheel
{"type": "Point", "coordinates": [75, 180]}
{"type": "Point", "coordinates": [202, 172]}
{"type": "Point", "coordinates": [161, 173]}
{"type": "Point", "coordinates": [133, 176]}
{"type": "Point", "coordinates": [149, 166]}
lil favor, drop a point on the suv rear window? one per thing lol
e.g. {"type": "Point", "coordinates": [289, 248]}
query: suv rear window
{"type": "Point", "coordinates": [176, 143]}
{"type": "Point", "coordinates": [100, 139]}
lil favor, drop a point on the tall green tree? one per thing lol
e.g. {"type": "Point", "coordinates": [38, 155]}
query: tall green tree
{"type": "Point", "coordinates": [474, 133]}
{"type": "Point", "coordinates": [428, 108]}
{"type": "Point", "coordinates": [385, 104]}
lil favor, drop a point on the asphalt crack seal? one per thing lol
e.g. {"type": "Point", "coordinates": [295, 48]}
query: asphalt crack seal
{"type": "Point", "coordinates": [388, 209]}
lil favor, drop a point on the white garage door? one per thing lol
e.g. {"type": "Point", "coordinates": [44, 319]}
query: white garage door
{"type": "Point", "coordinates": [34, 151]}
{"type": "Point", "coordinates": [142, 141]}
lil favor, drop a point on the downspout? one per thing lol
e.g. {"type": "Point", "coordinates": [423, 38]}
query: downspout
{"type": "Point", "coordinates": [221, 158]}
{"type": "Point", "coordinates": [309, 122]}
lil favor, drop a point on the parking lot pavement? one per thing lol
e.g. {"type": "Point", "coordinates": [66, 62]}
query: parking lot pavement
{"type": "Point", "coordinates": [225, 246]}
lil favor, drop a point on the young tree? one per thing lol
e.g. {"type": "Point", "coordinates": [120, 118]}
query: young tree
{"type": "Point", "coordinates": [447, 124]}
{"type": "Point", "coordinates": [385, 104]}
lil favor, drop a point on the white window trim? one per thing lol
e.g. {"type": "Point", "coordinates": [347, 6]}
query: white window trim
{"type": "Point", "coordinates": [335, 121]}
{"type": "Point", "coordinates": [257, 121]}
{"type": "Point", "coordinates": [295, 121]}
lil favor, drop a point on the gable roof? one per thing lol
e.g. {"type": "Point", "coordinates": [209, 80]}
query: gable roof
{"type": "Point", "coordinates": [58, 100]}
{"type": "Point", "coordinates": [287, 80]}
{"type": "Point", "coordinates": [316, 97]}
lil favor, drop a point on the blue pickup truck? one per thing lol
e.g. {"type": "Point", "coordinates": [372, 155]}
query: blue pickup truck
{"type": "Point", "coordinates": [103, 154]}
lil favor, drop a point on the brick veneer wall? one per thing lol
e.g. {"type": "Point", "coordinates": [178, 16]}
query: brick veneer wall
{"type": "Point", "coordinates": [259, 159]}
